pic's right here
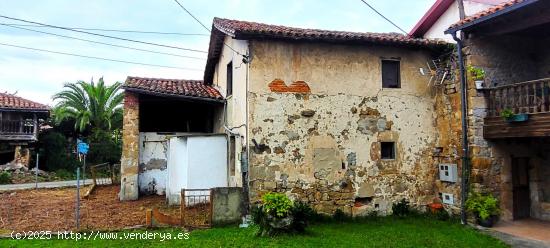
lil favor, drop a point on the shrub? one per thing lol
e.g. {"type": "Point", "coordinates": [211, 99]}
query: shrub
{"type": "Point", "coordinates": [507, 113]}
{"type": "Point", "coordinates": [278, 214]}
{"type": "Point", "coordinates": [5, 178]}
{"type": "Point", "coordinates": [54, 152]}
{"type": "Point", "coordinates": [476, 72]}
{"type": "Point", "coordinates": [401, 208]}
{"type": "Point", "coordinates": [104, 148]}
{"type": "Point", "coordinates": [339, 215]}
{"type": "Point", "coordinates": [482, 206]}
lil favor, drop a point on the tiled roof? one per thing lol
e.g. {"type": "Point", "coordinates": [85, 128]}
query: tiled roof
{"type": "Point", "coordinates": [245, 29]}
{"type": "Point", "coordinates": [173, 87]}
{"type": "Point", "coordinates": [9, 101]}
{"type": "Point", "coordinates": [252, 30]}
{"type": "Point", "coordinates": [486, 12]}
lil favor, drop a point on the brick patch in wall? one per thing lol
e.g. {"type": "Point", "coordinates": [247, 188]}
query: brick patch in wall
{"type": "Point", "coordinates": [279, 85]}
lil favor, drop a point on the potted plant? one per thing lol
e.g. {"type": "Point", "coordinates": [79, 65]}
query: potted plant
{"type": "Point", "coordinates": [484, 207]}
{"type": "Point", "coordinates": [509, 116]}
{"type": "Point", "coordinates": [478, 75]}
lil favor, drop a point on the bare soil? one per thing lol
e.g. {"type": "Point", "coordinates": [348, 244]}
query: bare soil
{"type": "Point", "coordinates": [54, 210]}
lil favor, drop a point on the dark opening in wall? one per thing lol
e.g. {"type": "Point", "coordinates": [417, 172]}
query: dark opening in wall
{"type": "Point", "coordinates": [162, 114]}
{"type": "Point", "coordinates": [387, 150]}
{"type": "Point", "coordinates": [362, 201]}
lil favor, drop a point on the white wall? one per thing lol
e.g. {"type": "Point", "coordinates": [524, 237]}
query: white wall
{"type": "Point", "coordinates": [452, 16]}
{"type": "Point", "coordinates": [196, 162]}
{"type": "Point", "coordinates": [152, 154]}
{"type": "Point", "coordinates": [236, 104]}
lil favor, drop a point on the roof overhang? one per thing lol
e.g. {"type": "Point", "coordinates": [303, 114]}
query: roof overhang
{"type": "Point", "coordinates": [431, 16]}
{"type": "Point", "coordinates": [491, 17]}
{"type": "Point", "coordinates": [173, 96]}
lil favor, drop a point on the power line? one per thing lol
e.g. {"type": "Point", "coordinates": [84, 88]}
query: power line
{"type": "Point", "coordinates": [102, 35]}
{"type": "Point", "coordinates": [98, 42]}
{"type": "Point", "coordinates": [204, 26]}
{"type": "Point", "coordinates": [99, 58]}
{"type": "Point", "coordinates": [112, 30]}
{"type": "Point", "coordinates": [395, 25]}
{"type": "Point", "coordinates": [196, 19]}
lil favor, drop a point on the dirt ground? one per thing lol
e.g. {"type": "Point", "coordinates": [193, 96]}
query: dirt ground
{"type": "Point", "coordinates": [54, 210]}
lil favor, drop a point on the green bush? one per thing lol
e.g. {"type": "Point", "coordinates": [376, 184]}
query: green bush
{"type": "Point", "coordinates": [276, 204]}
{"type": "Point", "coordinates": [278, 214]}
{"type": "Point", "coordinates": [65, 174]}
{"type": "Point", "coordinates": [507, 113]}
{"type": "Point", "coordinates": [401, 208]}
{"type": "Point", "coordinates": [55, 153]}
{"type": "Point", "coordinates": [5, 178]}
{"type": "Point", "coordinates": [482, 206]}
{"type": "Point", "coordinates": [476, 72]}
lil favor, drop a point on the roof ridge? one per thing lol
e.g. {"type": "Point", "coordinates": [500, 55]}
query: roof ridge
{"type": "Point", "coordinates": [13, 101]}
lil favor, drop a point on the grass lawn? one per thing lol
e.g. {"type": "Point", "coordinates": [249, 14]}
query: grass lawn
{"type": "Point", "coordinates": [379, 232]}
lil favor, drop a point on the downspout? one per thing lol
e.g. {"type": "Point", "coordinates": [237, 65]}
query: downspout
{"type": "Point", "coordinates": [464, 117]}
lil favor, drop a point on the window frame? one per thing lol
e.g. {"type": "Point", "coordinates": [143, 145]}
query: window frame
{"type": "Point", "coordinates": [229, 79]}
{"type": "Point", "coordinates": [393, 152]}
{"type": "Point", "coordinates": [391, 60]}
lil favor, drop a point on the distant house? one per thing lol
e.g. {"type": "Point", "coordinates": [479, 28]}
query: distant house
{"type": "Point", "coordinates": [19, 122]}
{"type": "Point", "coordinates": [341, 120]}
{"type": "Point", "coordinates": [443, 13]}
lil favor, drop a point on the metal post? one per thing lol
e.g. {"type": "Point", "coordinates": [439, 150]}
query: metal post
{"type": "Point", "coordinates": [36, 172]}
{"type": "Point", "coordinates": [84, 171]}
{"type": "Point", "coordinates": [77, 215]}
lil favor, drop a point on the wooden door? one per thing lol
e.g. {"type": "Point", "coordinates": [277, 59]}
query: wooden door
{"type": "Point", "coordinates": [520, 183]}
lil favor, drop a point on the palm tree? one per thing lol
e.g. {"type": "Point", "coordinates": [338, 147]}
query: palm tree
{"type": "Point", "coordinates": [90, 105]}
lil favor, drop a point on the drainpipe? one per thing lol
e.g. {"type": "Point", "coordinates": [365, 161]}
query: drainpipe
{"type": "Point", "coordinates": [465, 148]}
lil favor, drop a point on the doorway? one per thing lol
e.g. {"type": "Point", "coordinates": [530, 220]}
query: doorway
{"type": "Point", "coordinates": [520, 183]}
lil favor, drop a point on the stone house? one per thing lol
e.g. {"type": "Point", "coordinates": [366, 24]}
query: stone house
{"type": "Point", "coordinates": [510, 158]}
{"type": "Point", "coordinates": [342, 120]}
{"type": "Point", "coordinates": [19, 126]}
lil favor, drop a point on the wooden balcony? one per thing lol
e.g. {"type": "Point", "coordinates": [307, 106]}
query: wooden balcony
{"type": "Point", "coordinates": [531, 98]}
{"type": "Point", "coordinates": [18, 130]}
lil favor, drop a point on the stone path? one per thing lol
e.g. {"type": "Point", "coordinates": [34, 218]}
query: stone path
{"type": "Point", "coordinates": [521, 233]}
{"type": "Point", "coordinates": [43, 185]}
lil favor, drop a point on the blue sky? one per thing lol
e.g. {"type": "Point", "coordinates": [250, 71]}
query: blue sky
{"type": "Point", "coordinates": [37, 75]}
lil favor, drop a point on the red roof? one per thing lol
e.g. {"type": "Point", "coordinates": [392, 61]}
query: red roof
{"type": "Point", "coordinates": [489, 11]}
{"type": "Point", "coordinates": [251, 30]}
{"type": "Point", "coordinates": [172, 87]}
{"type": "Point", "coordinates": [12, 102]}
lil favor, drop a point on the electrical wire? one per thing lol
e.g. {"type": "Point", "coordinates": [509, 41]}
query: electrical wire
{"type": "Point", "coordinates": [112, 30]}
{"type": "Point", "coordinates": [102, 43]}
{"type": "Point", "coordinates": [102, 35]}
{"type": "Point", "coordinates": [99, 58]}
{"type": "Point", "coordinates": [204, 26]}
{"type": "Point", "coordinates": [380, 14]}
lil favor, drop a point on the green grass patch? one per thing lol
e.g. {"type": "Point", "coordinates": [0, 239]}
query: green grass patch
{"type": "Point", "coordinates": [375, 232]}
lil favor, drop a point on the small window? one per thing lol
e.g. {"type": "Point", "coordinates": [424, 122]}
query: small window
{"type": "Point", "coordinates": [229, 79]}
{"type": "Point", "coordinates": [388, 150]}
{"type": "Point", "coordinates": [391, 77]}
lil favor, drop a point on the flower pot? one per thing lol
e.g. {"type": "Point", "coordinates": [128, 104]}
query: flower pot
{"type": "Point", "coordinates": [518, 118]}
{"type": "Point", "coordinates": [479, 84]}
{"type": "Point", "coordinates": [435, 207]}
{"type": "Point", "coordinates": [489, 222]}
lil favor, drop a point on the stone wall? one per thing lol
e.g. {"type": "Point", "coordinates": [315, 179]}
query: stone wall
{"type": "Point", "coordinates": [129, 166]}
{"type": "Point", "coordinates": [318, 115]}
{"type": "Point", "coordinates": [228, 205]}
{"type": "Point", "coordinates": [506, 60]}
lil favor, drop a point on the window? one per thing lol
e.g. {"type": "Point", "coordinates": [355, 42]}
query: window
{"type": "Point", "coordinates": [229, 79]}
{"type": "Point", "coordinates": [391, 77]}
{"type": "Point", "coordinates": [388, 150]}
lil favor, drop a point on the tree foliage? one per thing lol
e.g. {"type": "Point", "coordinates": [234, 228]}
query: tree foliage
{"type": "Point", "coordinates": [90, 105]}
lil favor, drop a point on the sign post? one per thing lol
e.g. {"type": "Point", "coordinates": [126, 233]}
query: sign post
{"type": "Point", "coordinates": [82, 149]}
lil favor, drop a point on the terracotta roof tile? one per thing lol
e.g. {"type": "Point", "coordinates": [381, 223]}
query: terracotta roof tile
{"type": "Point", "coordinates": [179, 87]}
{"type": "Point", "coordinates": [245, 29]}
{"type": "Point", "coordinates": [8, 101]}
{"type": "Point", "coordinates": [486, 12]}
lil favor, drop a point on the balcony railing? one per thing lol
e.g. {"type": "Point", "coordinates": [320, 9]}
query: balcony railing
{"type": "Point", "coordinates": [17, 127]}
{"type": "Point", "coordinates": [525, 97]}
